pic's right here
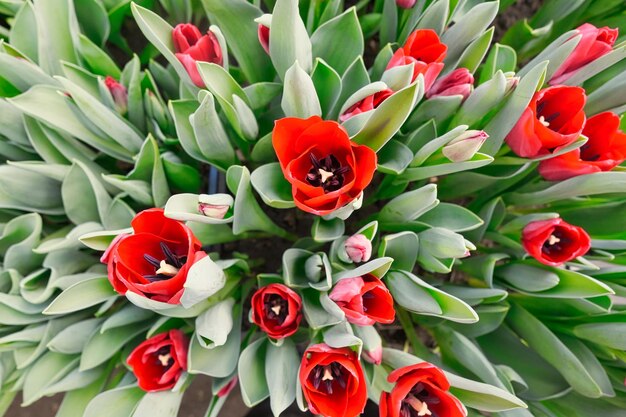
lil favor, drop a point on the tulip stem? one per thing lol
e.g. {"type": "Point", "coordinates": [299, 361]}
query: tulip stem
{"type": "Point", "coordinates": [409, 329]}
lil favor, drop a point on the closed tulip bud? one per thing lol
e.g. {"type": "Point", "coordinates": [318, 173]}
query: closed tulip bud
{"type": "Point", "coordinates": [406, 4]}
{"type": "Point", "coordinates": [457, 83]}
{"type": "Point", "coordinates": [511, 81]}
{"type": "Point", "coordinates": [464, 147]}
{"type": "Point", "coordinates": [119, 94]}
{"type": "Point", "coordinates": [358, 248]}
{"type": "Point", "coordinates": [313, 268]}
{"type": "Point", "coordinates": [373, 356]}
{"type": "Point", "coordinates": [214, 206]}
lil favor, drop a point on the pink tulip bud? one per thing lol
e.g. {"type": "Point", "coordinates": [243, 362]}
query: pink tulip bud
{"type": "Point", "coordinates": [192, 46]}
{"type": "Point", "coordinates": [406, 4]}
{"type": "Point", "coordinates": [216, 211]}
{"type": "Point", "coordinates": [373, 356]}
{"type": "Point", "coordinates": [458, 82]}
{"type": "Point", "coordinates": [264, 37]}
{"type": "Point", "coordinates": [119, 94]}
{"type": "Point", "coordinates": [464, 147]}
{"type": "Point", "coordinates": [359, 248]}
{"type": "Point", "coordinates": [226, 389]}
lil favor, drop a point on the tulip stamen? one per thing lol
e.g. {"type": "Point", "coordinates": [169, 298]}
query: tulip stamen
{"type": "Point", "coordinates": [553, 240]}
{"type": "Point", "coordinates": [165, 268]}
{"type": "Point", "coordinates": [543, 121]}
{"type": "Point", "coordinates": [326, 375]}
{"type": "Point", "coordinates": [164, 357]}
{"type": "Point", "coordinates": [420, 407]}
{"type": "Point", "coordinates": [276, 308]}
{"type": "Point", "coordinates": [326, 173]}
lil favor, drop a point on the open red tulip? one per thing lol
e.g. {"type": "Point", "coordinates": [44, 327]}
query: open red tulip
{"type": "Point", "coordinates": [155, 259]}
{"type": "Point", "coordinates": [554, 241]}
{"type": "Point", "coordinates": [277, 310]}
{"type": "Point", "coordinates": [420, 390]}
{"type": "Point", "coordinates": [553, 119]}
{"type": "Point", "coordinates": [333, 382]}
{"type": "Point", "coordinates": [159, 361]}
{"type": "Point", "coordinates": [424, 49]}
{"type": "Point", "coordinates": [605, 149]}
{"type": "Point", "coordinates": [326, 170]}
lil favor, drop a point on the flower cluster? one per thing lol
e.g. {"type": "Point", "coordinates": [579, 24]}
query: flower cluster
{"type": "Point", "coordinates": [324, 206]}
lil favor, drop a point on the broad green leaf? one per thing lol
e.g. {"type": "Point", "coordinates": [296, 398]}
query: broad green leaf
{"type": "Point", "coordinates": [281, 373]}
{"type": "Point", "coordinates": [327, 84]}
{"type": "Point", "coordinates": [289, 40]}
{"type": "Point", "coordinates": [402, 247]}
{"type": "Point", "coordinates": [252, 380]}
{"type": "Point", "coordinates": [120, 402]}
{"type": "Point", "coordinates": [81, 295]}
{"type": "Point", "coordinates": [410, 205]}
{"type": "Point", "coordinates": [56, 30]}
{"type": "Point", "coordinates": [159, 404]}
{"type": "Point", "coordinates": [299, 96]}
{"type": "Point", "coordinates": [339, 55]}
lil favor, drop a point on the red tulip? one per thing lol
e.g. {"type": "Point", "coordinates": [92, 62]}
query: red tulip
{"type": "Point", "coordinates": [406, 4]}
{"type": "Point", "coordinates": [424, 49]}
{"type": "Point", "coordinates": [277, 310]}
{"type": "Point", "coordinates": [326, 170]}
{"type": "Point", "coordinates": [420, 390]}
{"type": "Point", "coordinates": [119, 94]}
{"type": "Point", "coordinates": [554, 242]}
{"type": "Point", "coordinates": [333, 382]}
{"type": "Point", "coordinates": [159, 361]}
{"type": "Point", "coordinates": [264, 37]}
{"type": "Point", "coordinates": [365, 300]}
{"type": "Point", "coordinates": [155, 259]}
{"type": "Point", "coordinates": [605, 149]}
{"type": "Point", "coordinates": [553, 119]}
{"type": "Point", "coordinates": [595, 42]}
{"type": "Point", "coordinates": [458, 82]}
{"type": "Point", "coordinates": [191, 46]}
{"type": "Point", "coordinates": [367, 104]}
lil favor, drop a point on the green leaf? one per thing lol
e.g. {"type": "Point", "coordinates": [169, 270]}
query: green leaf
{"type": "Point", "coordinates": [501, 58]}
{"type": "Point", "coordinates": [56, 31]}
{"type": "Point", "coordinates": [261, 94]}
{"type": "Point", "coordinates": [81, 295]}
{"type": "Point", "coordinates": [394, 157]}
{"type": "Point", "coordinates": [435, 18]}
{"type": "Point", "coordinates": [339, 55]}
{"type": "Point", "coordinates": [452, 217]}
{"type": "Point", "coordinates": [319, 310]}
{"type": "Point", "coordinates": [94, 20]}
{"type": "Point", "coordinates": [606, 334]}
{"type": "Point", "coordinates": [210, 136]}
{"type": "Point", "coordinates": [481, 101]}
{"type": "Point", "coordinates": [327, 230]}
{"type": "Point", "coordinates": [252, 379]}
{"type": "Point", "coordinates": [118, 402]}
{"type": "Point", "coordinates": [289, 40]}
{"type": "Point", "coordinates": [248, 215]}
{"type": "Point", "coordinates": [410, 205]}
{"type": "Point", "coordinates": [584, 185]}
{"type": "Point", "coordinates": [219, 361]}
{"type": "Point", "coordinates": [159, 404]}
{"type": "Point", "coordinates": [476, 51]}
{"type": "Point", "coordinates": [98, 61]}
{"type": "Point", "coordinates": [84, 196]}
{"type": "Point", "coordinates": [73, 338]}
{"type": "Point", "coordinates": [353, 79]}
{"type": "Point", "coordinates": [467, 28]}
{"type": "Point", "coordinates": [548, 345]}
{"type": "Point", "coordinates": [387, 119]}
{"type": "Point", "coordinates": [48, 369]}
{"type": "Point", "coordinates": [236, 20]}
{"type": "Point", "coordinates": [299, 95]}
{"type": "Point", "coordinates": [402, 247]}
{"type": "Point", "coordinates": [21, 34]}
{"type": "Point", "coordinates": [505, 119]}
{"type": "Point", "coordinates": [281, 373]}
{"type": "Point", "coordinates": [327, 84]}
{"type": "Point", "coordinates": [417, 296]}
{"type": "Point", "coordinates": [440, 109]}
{"type": "Point", "coordinates": [103, 346]}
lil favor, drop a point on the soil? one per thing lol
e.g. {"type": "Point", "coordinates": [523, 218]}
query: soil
{"type": "Point", "coordinates": [197, 397]}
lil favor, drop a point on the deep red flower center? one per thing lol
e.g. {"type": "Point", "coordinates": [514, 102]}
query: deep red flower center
{"type": "Point", "coordinates": [276, 308]}
{"type": "Point", "coordinates": [166, 267]}
{"type": "Point", "coordinates": [328, 378]}
{"type": "Point", "coordinates": [163, 357]}
{"type": "Point", "coordinates": [326, 173]}
{"type": "Point", "coordinates": [547, 116]}
{"type": "Point", "coordinates": [587, 153]}
{"type": "Point", "coordinates": [556, 243]}
{"type": "Point", "coordinates": [417, 402]}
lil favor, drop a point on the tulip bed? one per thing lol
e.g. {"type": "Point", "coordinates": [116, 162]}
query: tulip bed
{"type": "Point", "coordinates": [315, 202]}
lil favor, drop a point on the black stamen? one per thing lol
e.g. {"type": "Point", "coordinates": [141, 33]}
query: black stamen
{"type": "Point", "coordinates": [550, 118]}
{"type": "Point", "coordinates": [152, 260]}
{"type": "Point", "coordinates": [169, 256]}
{"type": "Point", "coordinates": [326, 173]}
